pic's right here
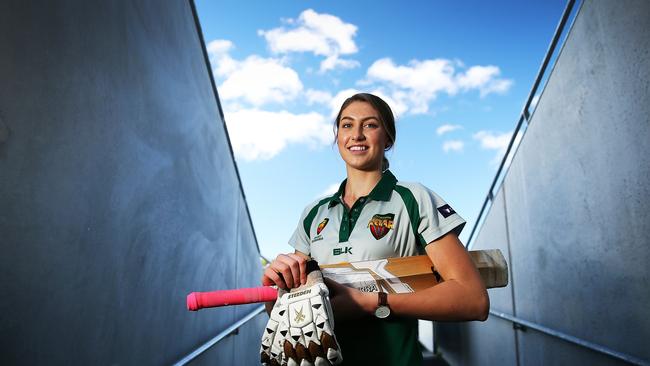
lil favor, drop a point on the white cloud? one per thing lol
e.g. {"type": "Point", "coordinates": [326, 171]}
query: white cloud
{"type": "Point", "coordinates": [260, 135]}
{"type": "Point", "coordinates": [219, 46]}
{"type": "Point", "coordinates": [321, 34]}
{"type": "Point", "coordinates": [485, 79]}
{"type": "Point", "coordinates": [333, 62]}
{"type": "Point", "coordinates": [453, 145]}
{"type": "Point", "coordinates": [428, 77]}
{"type": "Point", "coordinates": [420, 82]}
{"type": "Point", "coordinates": [493, 141]}
{"type": "Point", "coordinates": [318, 96]}
{"type": "Point", "coordinates": [498, 142]}
{"type": "Point", "coordinates": [261, 80]}
{"type": "Point", "coordinates": [330, 190]}
{"type": "Point", "coordinates": [255, 80]}
{"type": "Point", "coordinates": [447, 128]}
{"type": "Point", "coordinates": [219, 54]}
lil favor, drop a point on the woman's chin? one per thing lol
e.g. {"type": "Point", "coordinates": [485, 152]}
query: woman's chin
{"type": "Point", "coordinates": [364, 166]}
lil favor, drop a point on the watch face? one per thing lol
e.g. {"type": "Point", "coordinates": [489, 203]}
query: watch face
{"type": "Point", "coordinates": [382, 312]}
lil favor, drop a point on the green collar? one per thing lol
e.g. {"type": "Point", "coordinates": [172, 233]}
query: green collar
{"type": "Point", "coordinates": [381, 192]}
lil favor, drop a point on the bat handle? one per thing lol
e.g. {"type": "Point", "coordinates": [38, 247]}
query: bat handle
{"type": "Point", "coordinates": [201, 300]}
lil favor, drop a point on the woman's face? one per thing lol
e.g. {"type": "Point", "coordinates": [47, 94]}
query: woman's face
{"type": "Point", "coordinates": [361, 137]}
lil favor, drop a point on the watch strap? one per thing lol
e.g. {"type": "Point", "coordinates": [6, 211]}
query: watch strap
{"type": "Point", "coordinates": [382, 299]}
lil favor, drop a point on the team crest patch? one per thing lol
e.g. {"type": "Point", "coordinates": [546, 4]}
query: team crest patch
{"type": "Point", "coordinates": [322, 225]}
{"type": "Point", "coordinates": [380, 225]}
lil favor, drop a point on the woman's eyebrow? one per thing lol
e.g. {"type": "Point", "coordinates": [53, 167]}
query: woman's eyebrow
{"type": "Point", "coordinates": [362, 120]}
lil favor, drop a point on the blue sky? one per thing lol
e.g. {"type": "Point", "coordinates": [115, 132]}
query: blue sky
{"type": "Point", "coordinates": [456, 74]}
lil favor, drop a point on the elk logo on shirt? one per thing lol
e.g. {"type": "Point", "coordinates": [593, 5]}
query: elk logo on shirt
{"type": "Point", "coordinates": [322, 225]}
{"type": "Point", "coordinates": [380, 225]}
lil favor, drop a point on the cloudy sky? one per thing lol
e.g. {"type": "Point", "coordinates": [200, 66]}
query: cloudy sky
{"type": "Point", "coordinates": [456, 74]}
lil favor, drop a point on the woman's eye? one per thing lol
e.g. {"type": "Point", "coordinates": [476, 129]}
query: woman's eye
{"type": "Point", "coordinates": [371, 125]}
{"type": "Point", "coordinates": [346, 125]}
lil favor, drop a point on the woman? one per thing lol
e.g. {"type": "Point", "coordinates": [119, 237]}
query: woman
{"type": "Point", "coordinates": [374, 216]}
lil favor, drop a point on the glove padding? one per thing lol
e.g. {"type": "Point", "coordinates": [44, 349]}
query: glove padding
{"type": "Point", "coordinates": [300, 330]}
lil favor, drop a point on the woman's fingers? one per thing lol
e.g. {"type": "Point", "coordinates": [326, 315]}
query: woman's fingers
{"type": "Point", "coordinates": [271, 277]}
{"type": "Point", "coordinates": [289, 268]}
{"type": "Point", "coordinates": [302, 266]}
{"type": "Point", "coordinates": [286, 271]}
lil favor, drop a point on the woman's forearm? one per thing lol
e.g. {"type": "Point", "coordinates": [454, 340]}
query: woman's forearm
{"type": "Point", "coordinates": [448, 301]}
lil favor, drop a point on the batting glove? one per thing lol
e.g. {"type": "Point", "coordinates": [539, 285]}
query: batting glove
{"type": "Point", "coordinates": [300, 331]}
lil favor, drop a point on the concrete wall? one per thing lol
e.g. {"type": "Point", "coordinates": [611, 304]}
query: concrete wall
{"type": "Point", "coordinates": [118, 190]}
{"type": "Point", "coordinates": [573, 214]}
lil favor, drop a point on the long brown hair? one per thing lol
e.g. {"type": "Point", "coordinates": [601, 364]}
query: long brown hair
{"type": "Point", "coordinates": [386, 118]}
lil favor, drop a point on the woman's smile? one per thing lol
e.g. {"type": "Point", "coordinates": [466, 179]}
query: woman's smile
{"type": "Point", "coordinates": [358, 149]}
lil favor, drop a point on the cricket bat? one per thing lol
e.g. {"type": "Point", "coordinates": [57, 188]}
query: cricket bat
{"type": "Point", "coordinates": [391, 275]}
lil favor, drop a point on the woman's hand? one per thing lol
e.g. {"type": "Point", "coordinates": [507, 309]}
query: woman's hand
{"type": "Point", "coordinates": [287, 271]}
{"type": "Point", "coordinates": [350, 303]}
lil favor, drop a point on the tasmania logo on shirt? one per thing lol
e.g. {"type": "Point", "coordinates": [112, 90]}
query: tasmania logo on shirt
{"type": "Point", "coordinates": [380, 225]}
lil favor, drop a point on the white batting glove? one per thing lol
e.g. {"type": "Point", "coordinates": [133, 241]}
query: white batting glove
{"type": "Point", "coordinates": [300, 331]}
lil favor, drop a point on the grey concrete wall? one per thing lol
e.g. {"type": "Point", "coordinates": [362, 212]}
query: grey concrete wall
{"type": "Point", "coordinates": [118, 190]}
{"type": "Point", "coordinates": [575, 207]}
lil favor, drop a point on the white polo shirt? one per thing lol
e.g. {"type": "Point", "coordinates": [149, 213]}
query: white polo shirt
{"type": "Point", "coordinates": [396, 219]}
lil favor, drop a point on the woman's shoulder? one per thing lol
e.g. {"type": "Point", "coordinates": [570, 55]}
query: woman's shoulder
{"type": "Point", "coordinates": [416, 188]}
{"type": "Point", "coordinates": [419, 192]}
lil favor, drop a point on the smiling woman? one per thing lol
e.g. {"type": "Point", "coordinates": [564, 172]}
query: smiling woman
{"type": "Point", "coordinates": [374, 216]}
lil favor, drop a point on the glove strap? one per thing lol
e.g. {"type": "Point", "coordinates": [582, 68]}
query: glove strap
{"type": "Point", "coordinates": [312, 265]}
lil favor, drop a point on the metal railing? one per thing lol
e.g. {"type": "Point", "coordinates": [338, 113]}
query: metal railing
{"type": "Point", "coordinates": [232, 329]}
{"type": "Point", "coordinates": [524, 325]}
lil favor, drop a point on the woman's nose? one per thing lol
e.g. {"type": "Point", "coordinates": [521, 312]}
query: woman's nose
{"type": "Point", "coordinates": [358, 134]}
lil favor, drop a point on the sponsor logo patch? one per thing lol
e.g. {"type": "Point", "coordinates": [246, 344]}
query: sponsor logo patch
{"type": "Point", "coordinates": [380, 225]}
{"type": "Point", "coordinates": [322, 225]}
{"type": "Point", "coordinates": [369, 288]}
{"type": "Point", "coordinates": [446, 211]}
{"type": "Point", "coordinates": [296, 294]}
{"type": "Point", "coordinates": [339, 251]}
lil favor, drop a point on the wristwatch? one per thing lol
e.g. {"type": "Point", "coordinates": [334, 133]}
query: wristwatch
{"type": "Point", "coordinates": [382, 311]}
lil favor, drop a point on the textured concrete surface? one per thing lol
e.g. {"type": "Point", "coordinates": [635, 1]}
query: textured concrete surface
{"type": "Point", "coordinates": [576, 197]}
{"type": "Point", "coordinates": [491, 342]}
{"type": "Point", "coordinates": [118, 190]}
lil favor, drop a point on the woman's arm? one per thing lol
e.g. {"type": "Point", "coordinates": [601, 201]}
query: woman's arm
{"type": "Point", "coordinates": [462, 295]}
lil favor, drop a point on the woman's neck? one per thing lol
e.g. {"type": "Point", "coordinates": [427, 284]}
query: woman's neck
{"type": "Point", "coordinates": [360, 183]}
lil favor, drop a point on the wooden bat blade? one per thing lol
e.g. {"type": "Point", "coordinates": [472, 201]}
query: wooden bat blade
{"type": "Point", "coordinates": [411, 274]}
{"type": "Point", "coordinates": [491, 266]}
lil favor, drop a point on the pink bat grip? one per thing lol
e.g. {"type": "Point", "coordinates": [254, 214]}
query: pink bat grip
{"type": "Point", "coordinates": [200, 300]}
